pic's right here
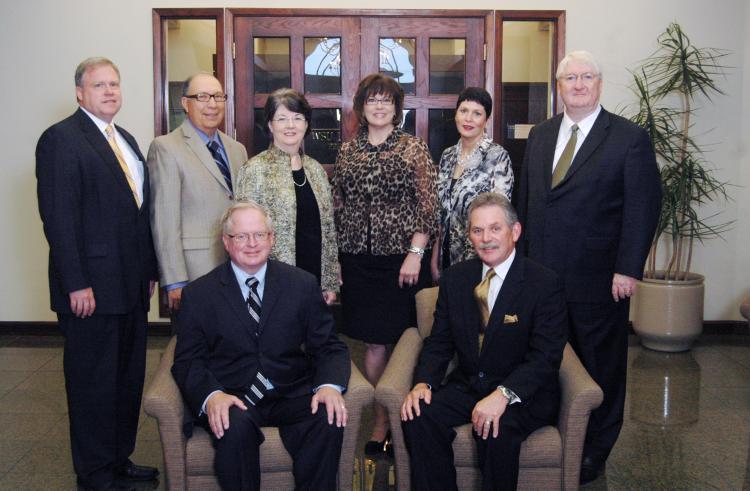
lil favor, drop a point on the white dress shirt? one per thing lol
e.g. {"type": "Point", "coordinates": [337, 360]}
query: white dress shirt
{"type": "Point", "coordinates": [501, 271]}
{"type": "Point", "coordinates": [584, 127]}
{"type": "Point", "coordinates": [135, 166]}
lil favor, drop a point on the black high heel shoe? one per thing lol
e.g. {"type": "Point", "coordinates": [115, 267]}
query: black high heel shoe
{"type": "Point", "coordinates": [374, 447]}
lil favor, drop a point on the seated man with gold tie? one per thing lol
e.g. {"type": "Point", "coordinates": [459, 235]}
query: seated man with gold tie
{"type": "Point", "coordinates": [504, 316]}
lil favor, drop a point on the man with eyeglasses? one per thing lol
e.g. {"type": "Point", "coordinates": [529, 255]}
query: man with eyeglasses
{"type": "Point", "coordinates": [93, 192]}
{"type": "Point", "coordinates": [589, 200]}
{"type": "Point", "coordinates": [257, 347]}
{"type": "Point", "coordinates": [193, 169]}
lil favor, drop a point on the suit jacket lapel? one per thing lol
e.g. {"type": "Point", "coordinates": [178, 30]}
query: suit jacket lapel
{"type": "Point", "coordinates": [200, 150]}
{"type": "Point", "coordinates": [549, 142]}
{"type": "Point", "coordinates": [271, 293]}
{"type": "Point", "coordinates": [506, 298]}
{"type": "Point", "coordinates": [593, 140]}
{"type": "Point", "coordinates": [471, 309]}
{"type": "Point", "coordinates": [231, 291]}
{"type": "Point", "coordinates": [234, 160]}
{"type": "Point", "coordinates": [98, 141]}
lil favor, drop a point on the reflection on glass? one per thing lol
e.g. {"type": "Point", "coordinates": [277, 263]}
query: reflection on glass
{"type": "Point", "coordinates": [442, 132]}
{"type": "Point", "coordinates": [447, 65]}
{"type": "Point", "coordinates": [271, 64]}
{"type": "Point", "coordinates": [322, 65]}
{"type": "Point", "coordinates": [190, 48]}
{"type": "Point", "coordinates": [409, 123]}
{"type": "Point", "coordinates": [397, 58]}
{"type": "Point", "coordinates": [324, 140]}
{"type": "Point", "coordinates": [260, 140]}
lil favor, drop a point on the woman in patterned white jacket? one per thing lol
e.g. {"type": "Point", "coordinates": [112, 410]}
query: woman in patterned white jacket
{"type": "Point", "coordinates": [472, 166]}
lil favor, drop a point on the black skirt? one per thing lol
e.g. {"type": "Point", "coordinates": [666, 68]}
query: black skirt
{"type": "Point", "coordinates": [375, 309]}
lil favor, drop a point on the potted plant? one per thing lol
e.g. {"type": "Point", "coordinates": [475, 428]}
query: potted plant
{"type": "Point", "coordinates": [668, 304]}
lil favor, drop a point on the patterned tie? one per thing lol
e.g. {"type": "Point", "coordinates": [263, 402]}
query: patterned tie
{"type": "Point", "coordinates": [123, 165]}
{"type": "Point", "coordinates": [566, 158]}
{"type": "Point", "coordinates": [213, 147]}
{"type": "Point", "coordinates": [253, 301]}
{"type": "Point", "coordinates": [481, 294]}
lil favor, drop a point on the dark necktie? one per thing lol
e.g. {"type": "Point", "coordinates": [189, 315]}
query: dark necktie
{"type": "Point", "coordinates": [253, 301]}
{"type": "Point", "coordinates": [481, 294]}
{"type": "Point", "coordinates": [566, 158]}
{"type": "Point", "coordinates": [213, 147]}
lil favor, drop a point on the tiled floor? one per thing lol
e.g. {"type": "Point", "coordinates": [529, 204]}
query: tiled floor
{"type": "Point", "coordinates": [687, 420]}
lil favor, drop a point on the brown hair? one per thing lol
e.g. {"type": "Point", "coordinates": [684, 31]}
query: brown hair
{"type": "Point", "coordinates": [379, 84]}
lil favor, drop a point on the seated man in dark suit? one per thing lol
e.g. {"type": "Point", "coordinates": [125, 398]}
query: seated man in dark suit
{"type": "Point", "coordinates": [256, 347]}
{"type": "Point", "coordinates": [504, 316]}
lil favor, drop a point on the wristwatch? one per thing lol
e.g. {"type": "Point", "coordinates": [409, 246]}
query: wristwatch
{"type": "Point", "coordinates": [509, 394]}
{"type": "Point", "coordinates": [419, 251]}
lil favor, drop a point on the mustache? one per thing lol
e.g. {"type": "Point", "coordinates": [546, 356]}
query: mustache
{"type": "Point", "coordinates": [487, 245]}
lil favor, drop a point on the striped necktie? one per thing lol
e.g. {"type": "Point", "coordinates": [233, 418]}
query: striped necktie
{"type": "Point", "coordinates": [213, 147]}
{"type": "Point", "coordinates": [110, 131]}
{"type": "Point", "coordinates": [253, 301]}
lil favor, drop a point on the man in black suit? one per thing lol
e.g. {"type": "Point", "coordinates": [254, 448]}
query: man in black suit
{"type": "Point", "coordinates": [256, 347]}
{"type": "Point", "coordinates": [589, 200]}
{"type": "Point", "coordinates": [93, 193]}
{"type": "Point", "coordinates": [504, 316]}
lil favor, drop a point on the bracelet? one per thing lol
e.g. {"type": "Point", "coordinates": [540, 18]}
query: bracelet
{"type": "Point", "coordinates": [419, 251]}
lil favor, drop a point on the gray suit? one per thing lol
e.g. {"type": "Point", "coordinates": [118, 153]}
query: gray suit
{"type": "Point", "coordinates": [189, 196]}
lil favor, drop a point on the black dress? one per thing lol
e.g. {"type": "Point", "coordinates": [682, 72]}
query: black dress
{"type": "Point", "coordinates": [308, 237]}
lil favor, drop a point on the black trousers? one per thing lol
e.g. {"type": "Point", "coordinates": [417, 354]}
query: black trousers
{"type": "Point", "coordinates": [429, 438]}
{"type": "Point", "coordinates": [315, 446]}
{"type": "Point", "coordinates": [599, 336]}
{"type": "Point", "coordinates": [104, 364]}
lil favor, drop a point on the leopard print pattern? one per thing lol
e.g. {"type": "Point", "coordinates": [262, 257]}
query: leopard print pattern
{"type": "Point", "coordinates": [383, 194]}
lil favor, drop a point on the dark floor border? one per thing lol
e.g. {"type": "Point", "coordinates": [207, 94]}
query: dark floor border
{"type": "Point", "coordinates": [10, 328]}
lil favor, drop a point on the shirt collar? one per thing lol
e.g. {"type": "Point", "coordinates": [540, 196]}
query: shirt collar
{"type": "Point", "coordinates": [584, 125]}
{"type": "Point", "coordinates": [204, 137]}
{"type": "Point", "coordinates": [501, 270]}
{"type": "Point", "coordinates": [101, 124]}
{"type": "Point", "coordinates": [241, 275]}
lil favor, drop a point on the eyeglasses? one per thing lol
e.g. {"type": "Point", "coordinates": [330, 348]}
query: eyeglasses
{"type": "Point", "coordinates": [297, 120]}
{"type": "Point", "coordinates": [203, 97]}
{"type": "Point", "coordinates": [241, 239]}
{"type": "Point", "coordinates": [372, 101]}
{"type": "Point", "coordinates": [586, 78]}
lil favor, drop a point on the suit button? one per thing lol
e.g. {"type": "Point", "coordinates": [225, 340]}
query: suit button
{"type": "Point", "coordinates": [481, 374]}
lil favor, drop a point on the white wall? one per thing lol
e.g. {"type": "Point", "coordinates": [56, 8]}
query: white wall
{"type": "Point", "coordinates": [43, 40]}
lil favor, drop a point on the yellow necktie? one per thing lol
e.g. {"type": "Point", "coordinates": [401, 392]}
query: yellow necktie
{"type": "Point", "coordinates": [566, 158]}
{"type": "Point", "coordinates": [123, 165]}
{"type": "Point", "coordinates": [481, 294]}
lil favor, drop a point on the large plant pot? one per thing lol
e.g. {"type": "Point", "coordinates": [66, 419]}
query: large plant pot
{"type": "Point", "coordinates": [668, 314]}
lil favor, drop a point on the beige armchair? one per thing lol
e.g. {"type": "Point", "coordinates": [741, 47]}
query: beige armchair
{"type": "Point", "coordinates": [550, 457]}
{"type": "Point", "coordinates": [189, 463]}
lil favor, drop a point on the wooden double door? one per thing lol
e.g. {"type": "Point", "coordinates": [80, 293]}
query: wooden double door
{"type": "Point", "coordinates": [325, 57]}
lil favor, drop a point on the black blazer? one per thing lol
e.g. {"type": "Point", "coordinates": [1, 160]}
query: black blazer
{"type": "Point", "coordinates": [601, 218]}
{"type": "Point", "coordinates": [523, 343]}
{"type": "Point", "coordinates": [98, 236]}
{"type": "Point", "coordinates": [297, 349]}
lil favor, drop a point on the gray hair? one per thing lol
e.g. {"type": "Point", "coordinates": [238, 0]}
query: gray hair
{"type": "Point", "coordinates": [189, 80]}
{"type": "Point", "coordinates": [226, 218]}
{"type": "Point", "coordinates": [90, 63]}
{"type": "Point", "coordinates": [581, 56]}
{"type": "Point", "coordinates": [494, 199]}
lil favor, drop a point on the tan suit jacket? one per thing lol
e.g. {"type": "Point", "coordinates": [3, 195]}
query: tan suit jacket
{"type": "Point", "coordinates": [189, 196]}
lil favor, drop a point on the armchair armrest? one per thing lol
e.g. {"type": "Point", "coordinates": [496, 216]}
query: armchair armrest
{"type": "Point", "coordinates": [392, 388]}
{"type": "Point", "coordinates": [580, 396]}
{"type": "Point", "coordinates": [163, 401]}
{"type": "Point", "coordinates": [359, 393]}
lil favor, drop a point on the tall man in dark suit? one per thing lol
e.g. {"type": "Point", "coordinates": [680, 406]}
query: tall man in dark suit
{"type": "Point", "coordinates": [589, 199]}
{"type": "Point", "coordinates": [256, 347]}
{"type": "Point", "coordinates": [192, 170]}
{"type": "Point", "coordinates": [93, 193]}
{"type": "Point", "coordinates": [504, 316]}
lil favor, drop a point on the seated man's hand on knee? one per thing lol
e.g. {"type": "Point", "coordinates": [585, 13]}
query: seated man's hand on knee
{"type": "Point", "coordinates": [487, 413]}
{"type": "Point", "coordinates": [421, 391]}
{"type": "Point", "coordinates": [217, 410]}
{"type": "Point", "coordinates": [334, 403]}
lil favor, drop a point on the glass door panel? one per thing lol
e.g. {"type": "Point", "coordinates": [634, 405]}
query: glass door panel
{"type": "Point", "coordinates": [447, 66]}
{"type": "Point", "coordinates": [271, 64]}
{"type": "Point", "coordinates": [323, 65]}
{"type": "Point", "coordinates": [397, 57]}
